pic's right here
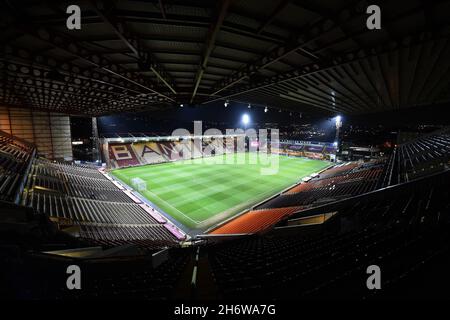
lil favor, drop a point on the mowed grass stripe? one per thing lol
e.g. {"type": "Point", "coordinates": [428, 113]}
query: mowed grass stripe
{"type": "Point", "coordinates": [195, 178]}
{"type": "Point", "coordinates": [192, 190]}
{"type": "Point", "coordinates": [210, 194]}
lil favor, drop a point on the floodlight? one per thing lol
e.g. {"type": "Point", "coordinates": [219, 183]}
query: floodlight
{"type": "Point", "coordinates": [245, 119]}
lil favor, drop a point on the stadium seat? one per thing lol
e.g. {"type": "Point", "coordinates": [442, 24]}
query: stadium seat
{"type": "Point", "coordinates": [254, 221]}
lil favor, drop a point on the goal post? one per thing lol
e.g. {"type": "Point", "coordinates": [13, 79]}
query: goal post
{"type": "Point", "coordinates": [138, 184]}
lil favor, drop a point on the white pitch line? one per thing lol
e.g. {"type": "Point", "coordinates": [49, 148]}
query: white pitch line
{"type": "Point", "coordinates": [168, 204]}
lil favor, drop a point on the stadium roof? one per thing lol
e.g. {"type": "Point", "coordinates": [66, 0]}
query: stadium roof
{"type": "Point", "coordinates": [303, 55]}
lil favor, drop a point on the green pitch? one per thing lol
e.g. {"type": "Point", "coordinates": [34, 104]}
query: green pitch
{"type": "Point", "coordinates": [199, 193]}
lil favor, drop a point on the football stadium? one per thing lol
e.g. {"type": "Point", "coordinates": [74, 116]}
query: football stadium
{"type": "Point", "coordinates": [224, 152]}
{"type": "Point", "coordinates": [193, 202]}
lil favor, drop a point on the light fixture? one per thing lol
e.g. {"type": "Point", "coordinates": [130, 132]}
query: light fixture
{"type": "Point", "coordinates": [249, 106]}
{"type": "Point", "coordinates": [245, 119]}
{"type": "Point", "coordinates": [181, 105]}
{"type": "Point", "coordinates": [338, 121]}
{"type": "Point", "coordinates": [226, 103]}
{"type": "Point", "coordinates": [266, 109]}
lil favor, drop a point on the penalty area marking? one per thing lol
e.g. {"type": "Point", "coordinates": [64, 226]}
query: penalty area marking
{"type": "Point", "coordinates": [171, 206]}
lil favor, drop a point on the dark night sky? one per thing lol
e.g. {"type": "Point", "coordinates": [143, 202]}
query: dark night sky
{"type": "Point", "coordinates": [437, 114]}
{"type": "Point", "coordinates": [230, 117]}
{"type": "Point", "coordinates": [431, 115]}
{"type": "Point", "coordinates": [232, 114]}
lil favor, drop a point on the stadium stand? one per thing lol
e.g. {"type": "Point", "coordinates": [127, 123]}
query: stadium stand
{"type": "Point", "coordinates": [72, 181]}
{"type": "Point", "coordinates": [149, 152]}
{"type": "Point", "coordinates": [335, 174]}
{"type": "Point", "coordinates": [85, 197]}
{"type": "Point", "coordinates": [146, 235]}
{"type": "Point", "coordinates": [87, 210]}
{"type": "Point", "coordinates": [146, 282]}
{"type": "Point", "coordinates": [413, 230]}
{"type": "Point", "coordinates": [313, 150]}
{"type": "Point", "coordinates": [122, 155]}
{"type": "Point", "coordinates": [106, 278]}
{"type": "Point", "coordinates": [254, 221]}
{"type": "Point", "coordinates": [15, 158]}
{"type": "Point", "coordinates": [331, 185]}
{"type": "Point", "coordinates": [56, 181]}
{"type": "Point", "coordinates": [403, 228]}
{"type": "Point", "coordinates": [152, 152]}
{"type": "Point", "coordinates": [419, 157]}
{"type": "Point", "coordinates": [339, 169]}
{"type": "Point", "coordinates": [23, 230]}
{"type": "Point", "coordinates": [336, 186]}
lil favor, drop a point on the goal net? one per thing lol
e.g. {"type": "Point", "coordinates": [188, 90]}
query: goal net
{"type": "Point", "coordinates": [138, 184]}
